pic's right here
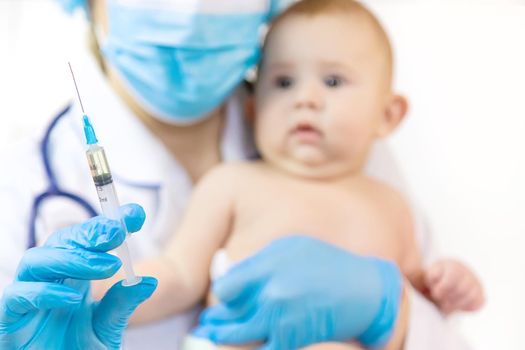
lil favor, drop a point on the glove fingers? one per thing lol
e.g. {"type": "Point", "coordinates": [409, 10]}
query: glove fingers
{"type": "Point", "coordinates": [245, 278]}
{"type": "Point", "coordinates": [134, 216]}
{"type": "Point", "coordinates": [96, 234]}
{"type": "Point", "coordinates": [220, 314]}
{"type": "Point", "coordinates": [50, 264]}
{"type": "Point", "coordinates": [232, 333]}
{"type": "Point", "coordinates": [23, 297]}
{"type": "Point", "coordinates": [99, 233]}
{"type": "Point", "coordinates": [241, 282]}
{"type": "Point", "coordinates": [112, 313]}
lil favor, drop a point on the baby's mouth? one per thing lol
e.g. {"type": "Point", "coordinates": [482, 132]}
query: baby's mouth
{"type": "Point", "coordinates": [306, 132]}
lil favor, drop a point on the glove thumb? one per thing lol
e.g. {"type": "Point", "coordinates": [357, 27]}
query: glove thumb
{"type": "Point", "coordinates": [111, 315]}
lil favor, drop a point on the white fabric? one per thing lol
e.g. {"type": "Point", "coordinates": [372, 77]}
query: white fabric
{"type": "Point", "coordinates": [194, 343]}
{"type": "Point", "coordinates": [220, 264]}
{"type": "Point", "coordinates": [136, 157]}
{"type": "Point", "coordinates": [427, 328]}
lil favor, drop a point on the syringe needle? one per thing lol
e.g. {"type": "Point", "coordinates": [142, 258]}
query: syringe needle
{"type": "Point", "coordinates": [76, 88]}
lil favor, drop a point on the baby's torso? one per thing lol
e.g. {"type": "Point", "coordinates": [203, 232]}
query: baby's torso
{"type": "Point", "coordinates": [357, 216]}
{"type": "Point", "coordinates": [351, 215]}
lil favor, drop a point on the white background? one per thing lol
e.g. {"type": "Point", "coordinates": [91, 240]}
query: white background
{"type": "Point", "coordinates": [462, 148]}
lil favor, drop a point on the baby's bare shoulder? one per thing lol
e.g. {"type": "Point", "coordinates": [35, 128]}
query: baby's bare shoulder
{"type": "Point", "coordinates": [234, 172]}
{"type": "Point", "coordinates": [388, 197]}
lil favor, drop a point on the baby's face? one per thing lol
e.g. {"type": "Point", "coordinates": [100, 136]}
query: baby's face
{"type": "Point", "coordinates": [321, 96]}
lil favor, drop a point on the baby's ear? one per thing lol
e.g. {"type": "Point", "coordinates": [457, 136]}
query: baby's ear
{"type": "Point", "coordinates": [394, 113]}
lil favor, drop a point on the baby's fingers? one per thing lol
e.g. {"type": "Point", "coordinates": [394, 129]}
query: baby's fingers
{"type": "Point", "coordinates": [472, 300]}
{"type": "Point", "coordinates": [443, 286]}
{"type": "Point", "coordinates": [453, 298]}
{"type": "Point", "coordinates": [433, 275]}
{"type": "Point", "coordinates": [460, 288]}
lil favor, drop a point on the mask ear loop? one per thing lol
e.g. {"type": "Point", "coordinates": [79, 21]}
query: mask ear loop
{"type": "Point", "coordinates": [250, 78]}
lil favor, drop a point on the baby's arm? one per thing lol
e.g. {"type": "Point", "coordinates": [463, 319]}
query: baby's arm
{"type": "Point", "coordinates": [453, 286]}
{"type": "Point", "coordinates": [183, 268]}
{"type": "Point", "coordinates": [447, 283]}
{"type": "Point", "coordinates": [409, 260]}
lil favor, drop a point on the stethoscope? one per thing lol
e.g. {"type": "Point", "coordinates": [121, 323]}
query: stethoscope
{"type": "Point", "coordinates": [53, 190]}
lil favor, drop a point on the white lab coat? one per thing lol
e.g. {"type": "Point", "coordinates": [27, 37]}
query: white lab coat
{"type": "Point", "coordinates": [144, 173]}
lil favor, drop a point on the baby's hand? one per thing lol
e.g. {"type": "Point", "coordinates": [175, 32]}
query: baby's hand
{"type": "Point", "coordinates": [454, 287]}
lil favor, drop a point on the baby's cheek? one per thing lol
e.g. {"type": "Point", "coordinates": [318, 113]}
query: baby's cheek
{"type": "Point", "coordinates": [347, 143]}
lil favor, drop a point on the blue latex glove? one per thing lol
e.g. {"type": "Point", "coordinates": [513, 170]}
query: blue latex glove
{"type": "Point", "coordinates": [300, 291]}
{"type": "Point", "coordinates": [49, 305]}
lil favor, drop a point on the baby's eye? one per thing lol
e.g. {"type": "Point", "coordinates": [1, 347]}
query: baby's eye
{"type": "Point", "coordinates": [333, 81]}
{"type": "Point", "coordinates": [283, 82]}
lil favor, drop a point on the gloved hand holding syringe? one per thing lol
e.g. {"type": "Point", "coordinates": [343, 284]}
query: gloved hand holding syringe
{"type": "Point", "coordinates": [101, 174]}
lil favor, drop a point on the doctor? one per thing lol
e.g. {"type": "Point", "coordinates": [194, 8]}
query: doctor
{"type": "Point", "coordinates": [164, 94]}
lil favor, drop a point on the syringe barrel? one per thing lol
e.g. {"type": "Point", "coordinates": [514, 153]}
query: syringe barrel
{"type": "Point", "coordinates": [109, 203]}
{"type": "Point", "coordinates": [107, 196]}
{"type": "Point", "coordinates": [101, 174]}
{"type": "Point", "coordinates": [98, 165]}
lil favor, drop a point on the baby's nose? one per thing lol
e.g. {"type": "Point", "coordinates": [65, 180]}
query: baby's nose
{"type": "Point", "coordinates": [308, 96]}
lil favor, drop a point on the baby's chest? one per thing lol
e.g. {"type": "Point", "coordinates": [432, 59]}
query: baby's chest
{"type": "Point", "coordinates": [350, 222]}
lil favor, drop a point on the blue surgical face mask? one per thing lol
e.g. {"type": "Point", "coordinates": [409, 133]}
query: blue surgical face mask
{"type": "Point", "coordinates": [180, 59]}
{"type": "Point", "coordinates": [71, 5]}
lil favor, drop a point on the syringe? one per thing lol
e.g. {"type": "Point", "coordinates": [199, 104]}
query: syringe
{"type": "Point", "coordinates": [101, 174]}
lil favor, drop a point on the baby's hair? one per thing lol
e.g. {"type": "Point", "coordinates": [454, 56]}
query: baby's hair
{"type": "Point", "coordinates": [335, 7]}
{"type": "Point", "coordinates": [314, 7]}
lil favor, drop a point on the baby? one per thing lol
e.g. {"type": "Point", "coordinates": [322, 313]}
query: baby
{"type": "Point", "coordinates": [324, 95]}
